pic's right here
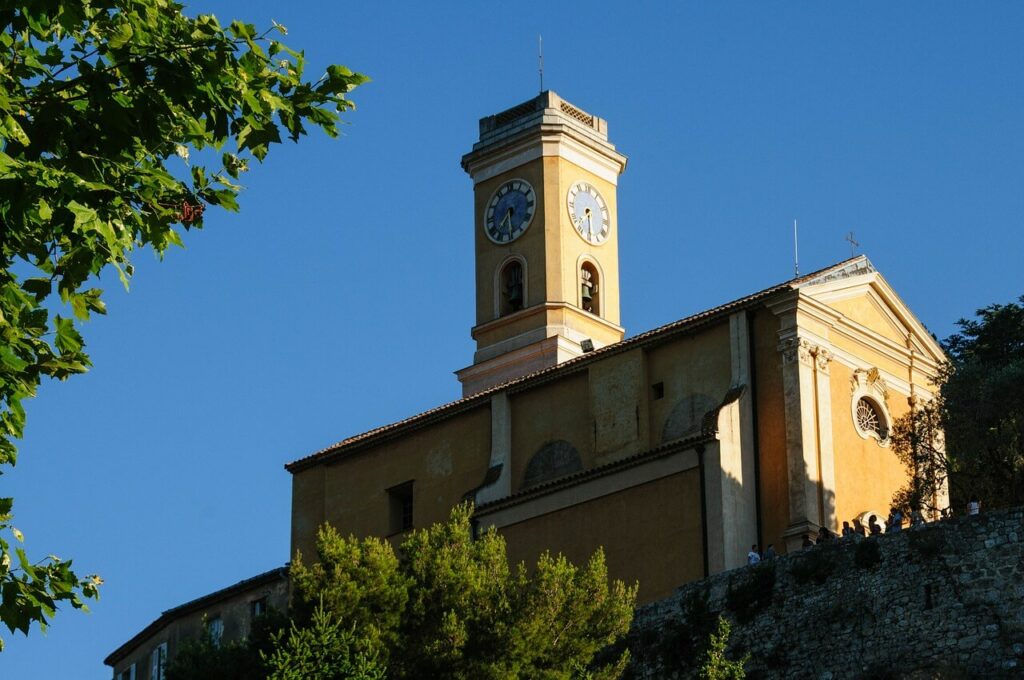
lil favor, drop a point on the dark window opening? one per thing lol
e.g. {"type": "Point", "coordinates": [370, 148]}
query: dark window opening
{"type": "Point", "coordinates": [512, 288]}
{"type": "Point", "coordinates": [658, 390]}
{"type": "Point", "coordinates": [590, 292]}
{"type": "Point", "coordinates": [400, 508]}
{"type": "Point", "coordinates": [258, 607]}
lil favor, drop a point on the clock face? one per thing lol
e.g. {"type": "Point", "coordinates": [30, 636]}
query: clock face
{"type": "Point", "coordinates": [509, 211]}
{"type": "Point", "coordinates": [589, 213]}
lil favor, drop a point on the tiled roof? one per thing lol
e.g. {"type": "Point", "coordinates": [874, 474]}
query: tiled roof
{"type": "Point", "coordinates": [451, 408]}
{"type": "Point", "coordinates": [582, 476]}
{"type": "Point", "coordinates": [169, 615]}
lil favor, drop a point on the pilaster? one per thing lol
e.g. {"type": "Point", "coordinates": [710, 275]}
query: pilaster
{"type": "Point", "coordinates": [809, 449]}
{"type": "Point", "coordinates": [501, 451]}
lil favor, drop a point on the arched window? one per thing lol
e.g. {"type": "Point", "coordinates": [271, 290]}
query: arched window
{"type": "Point", "coordinates": [870, 419]}
{"type": "Point", "coordinates": [512, 292]}
{"type": "Point", "coordinates": [868, 406]}
{"type": "Point", "coordinates": [590, 290]}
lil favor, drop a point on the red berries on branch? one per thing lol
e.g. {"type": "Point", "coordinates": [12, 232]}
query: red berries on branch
{"type": "Point", "coordinates": [189, 212]}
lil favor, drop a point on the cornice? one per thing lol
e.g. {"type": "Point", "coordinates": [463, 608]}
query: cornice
{"type": "Point", "coordinates": [548, 139]}
{"type": "Point", "coordinates": [865, 337]}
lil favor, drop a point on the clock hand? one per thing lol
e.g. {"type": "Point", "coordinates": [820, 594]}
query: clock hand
{"type": "Point", "coordinates": [507, 222]}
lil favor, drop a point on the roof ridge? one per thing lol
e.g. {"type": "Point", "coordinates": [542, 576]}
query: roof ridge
{"type": "Point", "coordinates": [575, 361]}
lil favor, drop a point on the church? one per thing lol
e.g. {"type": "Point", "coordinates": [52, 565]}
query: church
{"type": "Point", "coordinates": [674, 450]}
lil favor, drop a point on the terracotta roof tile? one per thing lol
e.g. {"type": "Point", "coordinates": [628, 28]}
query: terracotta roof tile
{"type": "Point", "coordinates": [384, 431]}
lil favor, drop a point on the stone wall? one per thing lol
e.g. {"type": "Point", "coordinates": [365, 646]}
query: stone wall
{"type": "Point", "coordinates": [942, 601]}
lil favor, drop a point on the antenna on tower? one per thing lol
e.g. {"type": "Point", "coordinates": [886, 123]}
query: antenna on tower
{"type": "Point", "coordinates": [540, 59]}
{"type": "Point", "coordinates": [796, 252]}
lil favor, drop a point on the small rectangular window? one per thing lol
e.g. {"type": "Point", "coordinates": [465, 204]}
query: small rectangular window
{"type": "Point", "coordinates": [259, 607]}
{"type": "Point", "coordinates": [658, 390]}
{"type": "Point", "coordinates": [216, 627]}
{"type": "Point", "coordinates": [400, 508]}
{"type": "Point", "coordinates": [158, 661]}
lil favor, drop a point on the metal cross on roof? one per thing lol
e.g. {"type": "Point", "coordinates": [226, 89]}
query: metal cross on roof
{"type": "Point", "coordinates": [853, 243]}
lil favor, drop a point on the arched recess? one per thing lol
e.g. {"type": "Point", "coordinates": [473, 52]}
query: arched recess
{"type": "Point", "coordinates": [552, 460]}
{"type": "Point", "coordinates": [589, 282]}
{"type": "Point", "coordinates": [687, 416]}
{"type": "Point", "coordinates": [510, 286]}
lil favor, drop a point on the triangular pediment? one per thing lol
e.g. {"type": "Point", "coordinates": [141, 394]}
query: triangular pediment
{"type": "Point", "coordinates": [862, 297]}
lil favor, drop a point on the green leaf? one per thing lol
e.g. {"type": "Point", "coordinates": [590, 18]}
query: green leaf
{"type": "Point", "coordinates": [121, 36]}
{"type": "Point", "coordinates": [40, 288]}
{"type": "Point", "coordinates": [11, 360]}
{"type": "Point", "coordinates": [242, 30]}
{"type": "Point", "coordinates": [13, 130]}
{"type": "Point", "coordinates": [68, 339]}
{"type": "Point", "coordinates": [75, 203]}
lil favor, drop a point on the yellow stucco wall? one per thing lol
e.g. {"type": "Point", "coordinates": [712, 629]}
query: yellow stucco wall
{"type": "Point", "coordinates": [687, 367]}
{"type": "Point", "coordinates": [771, 429]}
{"type": "Point", "coordinates": [618, 386]}
{"type": "Point", "coordinates": [530, 245]}
{"type": "Point", "coordinates": [307, 508]}
{"type": "Point", "coordinates": [552, 411]}
{"type": "Point", "coordinates": [444, 460]}
{"type": "Point", "coordinates": [867, 473]}
{"type": "Point", "coordinates": [651, 534]}
{"type": "Point", "coordinates": [868, 310]}
{"type": "Point", "coordinates": [551, 247]}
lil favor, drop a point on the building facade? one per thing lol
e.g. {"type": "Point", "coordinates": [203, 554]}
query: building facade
{"type": "Point", "coordinates": [674, 451]}
{"type": "Point", "coordinates": [755, 422]}
{"type": "Point", "coordinates": [228, 615]}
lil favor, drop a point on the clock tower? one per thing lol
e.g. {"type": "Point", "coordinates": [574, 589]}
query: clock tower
{"type": "Point", "coordinates": [547, 239]}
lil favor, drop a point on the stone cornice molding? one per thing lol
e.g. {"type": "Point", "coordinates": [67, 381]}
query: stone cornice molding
{"type": "Point", "coordinates": [540, 309]}
{"type": "Point", "coordinates": [549, 139]}
{"type": "Point", "coordinates": [855, 363]}
{"type": "Point", "coordinates": [807, 308]}
{"type": "Point", "coordinates": [891, 305]}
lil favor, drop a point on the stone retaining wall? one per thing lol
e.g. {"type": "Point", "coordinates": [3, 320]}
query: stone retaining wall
{"type": "Point", "coordinates": [945, 600]}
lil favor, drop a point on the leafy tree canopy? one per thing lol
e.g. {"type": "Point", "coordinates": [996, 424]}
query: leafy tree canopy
{"type": "Point", "coordinates": [451, 606]}
{"type": "Point", "coordinates": [105, 108]}
{"type": "Point", "coordinates": [324, 650]}
{"type": "Point", "coordinates": [972, 433]}
{"type": "Point", "coordinates": [983, 406]}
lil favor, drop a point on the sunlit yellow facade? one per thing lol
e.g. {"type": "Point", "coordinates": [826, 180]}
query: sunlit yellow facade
{"type": "Point", "coordinates": [673, 450]}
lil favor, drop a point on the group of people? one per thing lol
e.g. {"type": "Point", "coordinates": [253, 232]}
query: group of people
{"type": "Point", "coordinates": [893, 524]}
{"type": "Point", "coordinates": [755, 556]}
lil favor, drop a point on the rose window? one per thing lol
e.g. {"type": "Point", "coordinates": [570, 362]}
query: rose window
{"type": "Point", "coordinates": [869, 420]}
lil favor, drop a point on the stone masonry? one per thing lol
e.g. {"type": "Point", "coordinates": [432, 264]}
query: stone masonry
{"type": "Point", "coordinates": [941, 601]}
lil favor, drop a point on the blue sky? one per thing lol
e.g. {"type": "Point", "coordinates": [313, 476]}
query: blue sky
{"type": "Point", "coordinates": [341, 297]}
